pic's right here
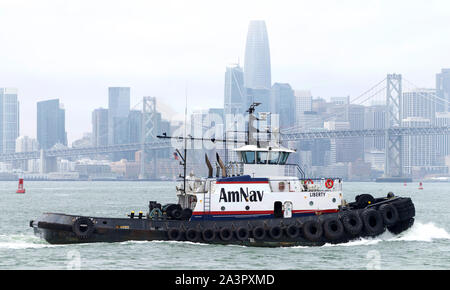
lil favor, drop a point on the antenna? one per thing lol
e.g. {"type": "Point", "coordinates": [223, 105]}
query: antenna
{"type": "Point", "coordinates": [185, 141]}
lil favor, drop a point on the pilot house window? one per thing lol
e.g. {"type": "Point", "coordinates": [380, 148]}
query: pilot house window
{"type": "Point", "coordinates": [262, 157]}
{"type": "Point", "coordinates": [248, 157]}
{"type": "Point", "coordinates": [284, 157]}
{"type": "Point", "coordinates": [273, 157]}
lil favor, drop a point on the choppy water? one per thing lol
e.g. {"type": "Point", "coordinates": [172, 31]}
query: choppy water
{"type": "Point", "coordinates": [425, 246]}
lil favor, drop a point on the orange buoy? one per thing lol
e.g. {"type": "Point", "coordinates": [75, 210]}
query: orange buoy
{"type": "Point", "coordinates": [20, 188]}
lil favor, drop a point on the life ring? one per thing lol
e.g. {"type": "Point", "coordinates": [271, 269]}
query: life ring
{"type": "Point", "coordinates": [373, 222]}
{"type": "Point", "coordinates": [352, 223]}
{"type": "Point", "coordinates": [309, 181]}
{"type": "Point", "coordinates": [225, 234]}
{"type": "Point", "coordinates": [329, 183]}
{"type": "Point", "coordinates": [389, 214]}
{"type": "Point", "coordinates": [259, 233]}
{"type": "Point", "coordinates": [333, 228]}
{"type": "Point", "coordinates": [83, 227]}
{"type": "Point", "coordinates": [242, 234]}
{"type": "Point", "coordinates": [174, 234]}
{"type": "Point", "coordinates": [208, 235]}
{"type": "Point", "coordinates": [312, 230]}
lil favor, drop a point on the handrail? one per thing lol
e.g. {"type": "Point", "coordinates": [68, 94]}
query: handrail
{"type": "Point", "coordinates": [299, 169]}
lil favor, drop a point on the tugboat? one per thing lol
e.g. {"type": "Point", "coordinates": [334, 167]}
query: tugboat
{"type": "Point", "coordinates": [254, 202]}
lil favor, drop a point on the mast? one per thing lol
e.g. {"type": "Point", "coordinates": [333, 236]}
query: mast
{"type": "Point", "coordinates": [185, 144]}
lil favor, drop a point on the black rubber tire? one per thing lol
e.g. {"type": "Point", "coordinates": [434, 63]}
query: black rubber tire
{"type": "Point", "coordinates": [259, 233]}
{"type": "Point", "coordinates": [373, 222]}
{"type": "Point", "coordinates": [405, 208]}
{"type": "Point", "coordinates": [192, 235]}
{"type": "Point", "coordinates": [352, 223]}
{"type": "Point", "coordinates": [389, 214]}
{"type": "Point", "coordinates": [174, 234]}
{"type": "Point", "coordinates": [242, 234]}
{"type": "Point", "coordinates": [208, 235]}
{"type": "Point", "coordinates": [275, 232]}
{"type": "Point", "coordinates": [83, 227]}
{"type": "Point", "coordinates": [401, 226]}
{"type": "Point", "coordinates": [186, 214]}
{"type": "Point", "coordinates": [176, 214]}
{"type": "Point", "coordinates": [333, 229]}
{"type": "Point", "coordinates": [226, 234]}
{"type": "Point", "coordinates": [312, 230]}
{"type": "Point", "coordinates": [292, 231]}
{"type": "Point", "coordinates": [364, 200]}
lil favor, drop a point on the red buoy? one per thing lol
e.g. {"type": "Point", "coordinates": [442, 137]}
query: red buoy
{"type": "Point", "coordinates": [420, 185]}
{"type": "Point", "coordinates": [20, 188]}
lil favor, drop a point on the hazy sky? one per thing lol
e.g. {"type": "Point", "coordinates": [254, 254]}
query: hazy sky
{"type": "Point", "coordinates": [74, 50]}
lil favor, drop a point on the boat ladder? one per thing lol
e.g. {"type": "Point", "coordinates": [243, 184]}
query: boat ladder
{"type": "Point", "coordinates": [207, 202]}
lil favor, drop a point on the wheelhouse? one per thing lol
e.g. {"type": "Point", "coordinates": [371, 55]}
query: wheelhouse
{"type": "Point", "coordinates": [252, 154]}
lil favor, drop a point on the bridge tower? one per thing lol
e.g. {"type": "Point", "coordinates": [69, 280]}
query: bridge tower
{"type": "Point", "coordinates": [148, 133]}
{"type": "Point", "coordinates": [393, 143]}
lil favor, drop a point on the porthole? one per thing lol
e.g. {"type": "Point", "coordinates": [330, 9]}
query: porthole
{"type": "Point", "coordinates": [333, 200]}
{"type": "Point", "coordinates": [247, 207]}
{"type": "Point", "coordinates": [311, 203]}
{"type": "Point", "coordinates": [222, 208]}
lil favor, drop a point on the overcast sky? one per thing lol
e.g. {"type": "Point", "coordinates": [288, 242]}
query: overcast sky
{"type": "Point", "coordinates": [74, 50]}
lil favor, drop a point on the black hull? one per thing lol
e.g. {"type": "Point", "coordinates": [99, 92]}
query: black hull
{"type": "Point", "coordinates": [64, 229]}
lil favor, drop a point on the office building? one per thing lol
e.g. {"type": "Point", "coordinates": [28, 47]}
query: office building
{"type": "Point", "coordinates": [419, 103]}
{"type": "Point", "coordinates": [9, 120]}
{"type": "Point", "coordinates": [100, 127]}
{"type": "Point", "coordinates": [257, 73]}
{"type": "Point", "coordinates": [51, 126]}
{"type": "Point", "coordinates": [443, 90]}
{"type": "Point", "coordinates": [418, 152]}
{"type": "Point", "coordinates": [234, 93]}
{"type": "Point", "coordinates": [282, 103]}
{"type": "Point", "coordinates": [118, 110]}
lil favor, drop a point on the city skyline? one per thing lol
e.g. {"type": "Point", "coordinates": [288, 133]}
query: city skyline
{"type": "Point", "coordinates": [311, 49]}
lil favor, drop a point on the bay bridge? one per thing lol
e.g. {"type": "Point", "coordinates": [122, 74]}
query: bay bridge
{"type": "Point", "coordinates": [389, 88]}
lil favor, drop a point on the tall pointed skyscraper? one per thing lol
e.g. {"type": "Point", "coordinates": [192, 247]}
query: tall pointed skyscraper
{"type": "Point", "coordinates": [257, 57]}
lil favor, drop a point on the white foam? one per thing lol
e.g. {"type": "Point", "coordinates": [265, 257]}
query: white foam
{"type": "Point", "coordinates": [423, 233]}
{"type": "Point", "coordinates": [418, 232]}
{"type": "Point", "coordinates": [17, 242]}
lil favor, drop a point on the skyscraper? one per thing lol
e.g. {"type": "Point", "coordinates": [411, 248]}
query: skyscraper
{"type": "Point", "coordinates": [51, 127]}
{"type": "Point", "coordinates": [303, 103]}
{"type": "Point", "coordinates": [100, 127]}
{"type": "Point", "coordinates": [234, 93]}
{"type": "Point", "coordinates": [282, 103]}
{"type": "Point", "coordinates": [135, 126]}
{"type": "Point", "coordinates": [443, 90]}
{"type": "Point", "coordinates": [9, 120]}
{"type": "Point", "coordinates": [118, 110]}
{"type": "Point", "coordinates": [257, 57]}
{"type": "Point", "coordinates": [375, 118]}
{"type": "Point", "coordinates": [420, 103]}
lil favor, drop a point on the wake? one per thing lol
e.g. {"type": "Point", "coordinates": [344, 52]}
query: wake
{"type": "Point", "coordinates": [419, 232]}
{"type": "Point", "coordinates": [18, 242]}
